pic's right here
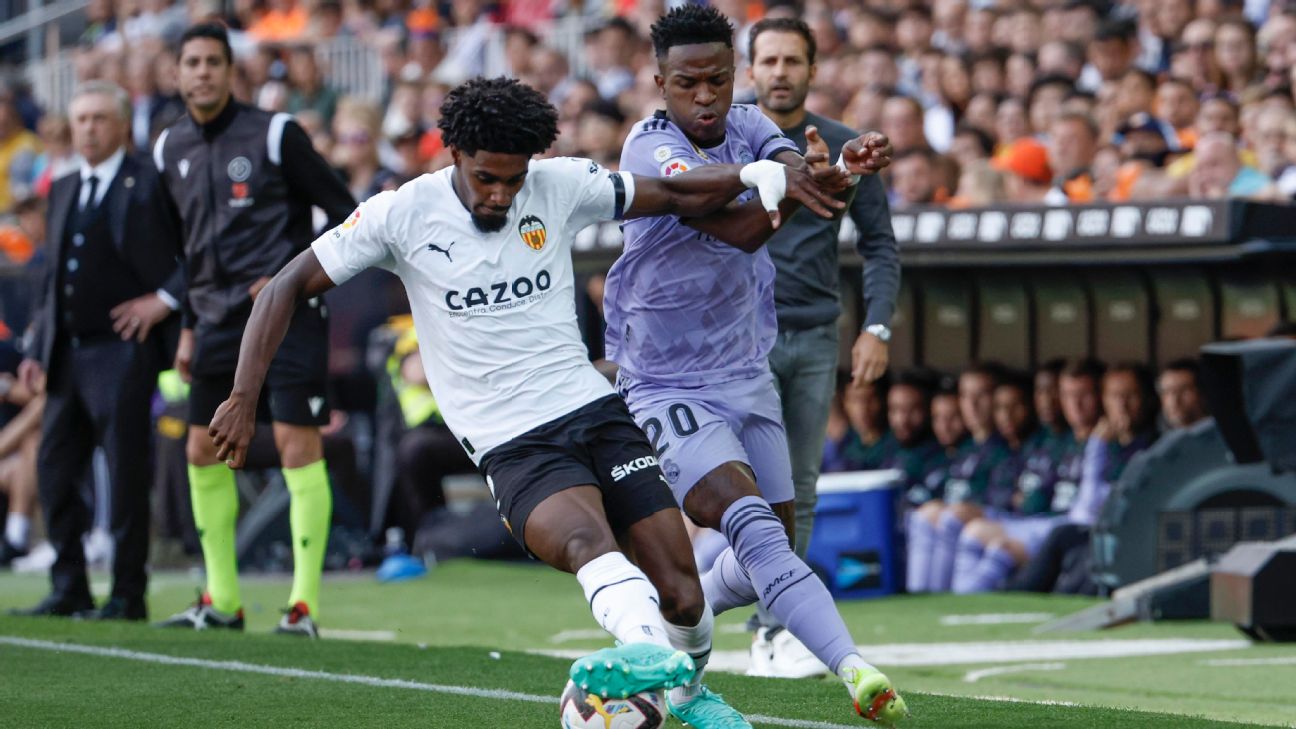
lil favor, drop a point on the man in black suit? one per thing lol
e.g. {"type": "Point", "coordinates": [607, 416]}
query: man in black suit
{"type": "Point", "coordinates": [113, 277]}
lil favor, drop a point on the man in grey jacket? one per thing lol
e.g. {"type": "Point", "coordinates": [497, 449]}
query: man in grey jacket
{"type": "Point", "coordinates": [804, 359]}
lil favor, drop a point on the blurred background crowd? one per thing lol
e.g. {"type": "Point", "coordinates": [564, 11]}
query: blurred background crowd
{"type": "Point", "coordinates": [985, 101]}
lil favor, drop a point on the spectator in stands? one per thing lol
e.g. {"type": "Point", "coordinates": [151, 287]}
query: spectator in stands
{"type": "Point", "coordinates": [1127, 428]}
{"type": "Point", "coordinates": [19, 149]}
{"type": "Point", "coordinates": [979, 185]}
{"type": "Point", "coordinates": [1045, 101]}
{"type": "Point", "coordinates": [914, 179]}
{"type": "Point", "coordinates": [309, 91]}
{"type": "Point", "coordinates": [280, 21]}
{"type": "Point", "coordinates": [1061, 58]}
{"type": "Point", "coordinates": [950, 434]}
{"type": "Point", "coordinates": [1046, 397]}
{"type": "Point", "coordinates": [1011, 121]}
{"type": "Point", "coordinates": [1179, 389]}
{"type": "Point", "coordinates": [1073, 143]}
{"type": "Point", "coordinates": [1219, 173]}
{"type": "Point", "coordinates": [1269, 139]}
{"type": "Point", "coordinates": [1177, 105]}
{"type": "Point", "coordinates": [356, 131]}
{"type": "Point", "coordinates": [57, 158]}
{"type": "Point", "coordinates": [1027, 175]}
{"type": "Point", "coordinates": [609, 50]}
{"type": "Point", "coordinates": [970, 145]}
{"type": "Point", "coordinates": [1111, 53]}
{"type": "Point", "coordinates": [428, 451]}
{"type": "Point", "coordinates": [19, 442]}
{"type": "Point", "coordinates": [151, 112]}
{"type": "Point", "coordinates": [1051, 473]}
{"type": "Point", "coordinates": [934, 528]}
{"type": "Point", "coordinates": [1016, 424]}
{"type": "Point", "coordinates": [868, 443]}
{"type": "Point", "coordinates": [917, 452]}
{"type": "Point", "coordinates": [1236, 56]}
{"type": "Point", "coordinates": [902, 123]}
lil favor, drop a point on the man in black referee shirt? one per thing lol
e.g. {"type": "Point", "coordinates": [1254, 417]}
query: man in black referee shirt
{"type": "Point", "coordinates": [243, 181]}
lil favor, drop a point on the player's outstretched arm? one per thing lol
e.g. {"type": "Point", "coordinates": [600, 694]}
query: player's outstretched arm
{"type": "Point", "coordinates": [746, 227]}
{"type": "Point", "coordinates": [231, 427]}
{"type": "Point", "coordinates": [706, 189]}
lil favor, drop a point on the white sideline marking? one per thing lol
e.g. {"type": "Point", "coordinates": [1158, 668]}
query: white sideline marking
{"type": "Point", "coordinates": [956, 654]}
{"type": "Point", "coordinates": [241, 667]}
{"type": "Point", "coordinates": [995, 619]}
{"type": "Point", "coordinates": [1011, 700]}
{"type": "Point", "coordinates": [1281, 661]}
{"type": "Point", "coordinates": [974, 676]}
{"type": "Point", "coordinates": [566, 636]}
{"type": "Point", "coordinates": [343, 634]}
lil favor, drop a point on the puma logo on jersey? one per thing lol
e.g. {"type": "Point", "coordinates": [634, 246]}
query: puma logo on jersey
{"type": "Point", "coordinates": [638, 464]}
{"type": "Point", "coordinates": [183, 166]}
{"type": "Point", "coordinates": [439, 249]}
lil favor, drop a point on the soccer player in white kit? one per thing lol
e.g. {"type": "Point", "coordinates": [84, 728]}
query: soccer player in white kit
{"type": "Point", "coordinates": [484, 251]}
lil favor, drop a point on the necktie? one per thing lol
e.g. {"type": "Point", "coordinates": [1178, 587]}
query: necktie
{"type": "Point", "coordinates": [90, 201]}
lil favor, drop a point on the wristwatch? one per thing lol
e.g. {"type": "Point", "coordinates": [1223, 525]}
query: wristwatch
{"type": "Point", "coordinates": [881, 331]}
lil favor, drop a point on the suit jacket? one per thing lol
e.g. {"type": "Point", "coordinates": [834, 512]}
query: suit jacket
{"type": "Point", "coordinates": [146, 233]}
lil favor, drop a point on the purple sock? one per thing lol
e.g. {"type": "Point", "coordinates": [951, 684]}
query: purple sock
{"type": "Point", "coordinates": [707, 549]}
{"type": "Point", "coordinates": [921, 535]}
{"type": "Point", "coordinates": [727, 585]}
{"type": "Point", "coordinates": [967, 557]}
{"type": "Point", "coordinates": [995, 567]}
{"type": "Point", "coordinates": [784, 583]}
{"type": "Point", "coordinates": [942, 559]}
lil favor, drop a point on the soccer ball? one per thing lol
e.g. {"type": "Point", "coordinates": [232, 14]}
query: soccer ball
{"type": "Point", "coordinates": [581, 710]}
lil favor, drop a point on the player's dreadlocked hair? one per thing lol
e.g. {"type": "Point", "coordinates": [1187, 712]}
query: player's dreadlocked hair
{"type": "Point", "coordinates": [497, 115]}
{"type": "Point", "coordinates": [689, 24]}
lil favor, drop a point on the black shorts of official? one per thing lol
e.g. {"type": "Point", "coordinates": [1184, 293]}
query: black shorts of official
{"type": "Point", "coordinates": [598, 444]}
{"type": "Point", "coordinates": [294, 390]}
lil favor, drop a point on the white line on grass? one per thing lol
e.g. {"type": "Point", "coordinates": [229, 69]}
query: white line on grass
{"type": "Point", "coordinates": [241, 667]}
{"type": "Point", "coordinates": [343, 634]}
{"type": "Point", "coordinates": [974, 676]}
{"type": "Point", "coordinates": [995, 619]}
{"type": "Point", "coordinates": [1281, 661]}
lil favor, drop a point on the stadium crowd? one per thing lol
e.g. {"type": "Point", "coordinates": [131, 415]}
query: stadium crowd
{"type": "Point", "coordinates": [1034, 101]}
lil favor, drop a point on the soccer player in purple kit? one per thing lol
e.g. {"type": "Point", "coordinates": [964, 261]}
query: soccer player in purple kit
{"type": "Point", "coordinates": [690, 323]}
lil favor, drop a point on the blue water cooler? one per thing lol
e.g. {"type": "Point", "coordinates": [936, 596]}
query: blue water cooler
{"type": "Point", "coordinates": [854, 547]}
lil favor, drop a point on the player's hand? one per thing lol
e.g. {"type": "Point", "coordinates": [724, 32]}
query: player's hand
{"type": "Point", "coordinates": [1103, 430]}
{"type": "Point", "coordinates": [867, 154]}
{"type": "Point", "coordinates": [816, 147]}
{"type": "Point", "coordinates": [813, 188]}
{"type": "Point", "coordinates": [869, 359]}
{"type": "Point", "coordinates": [231, 430]}
{"type": "Point", "coordinates": [184, 354]}
{"type": "Point", "coordinates": [257, 285]}
{"type": "Point", "coordinates": [31, 376]}
{"type": "Point", "coordinates": [134, 319]}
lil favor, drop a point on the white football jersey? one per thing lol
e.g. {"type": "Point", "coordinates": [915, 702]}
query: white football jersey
{"type": "Point", "coordinates": [495, 312]}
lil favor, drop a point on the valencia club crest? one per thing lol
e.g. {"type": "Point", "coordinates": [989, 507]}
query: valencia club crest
{"type": "Point", "coordinates": [532, 230]}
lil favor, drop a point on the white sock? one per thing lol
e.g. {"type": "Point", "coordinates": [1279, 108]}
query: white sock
{"type": "Point", "coordinates": [17, 529]}
{"type": "Point", "coordinates": [850, 666]}
{"type": "Point", "coordinates": [623, 601]}
{"type": "Point", "coordinates": [695, 641]}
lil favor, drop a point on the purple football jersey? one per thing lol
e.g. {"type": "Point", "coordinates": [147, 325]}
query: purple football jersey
{"type": "Point", "coordinates": [683, 308]}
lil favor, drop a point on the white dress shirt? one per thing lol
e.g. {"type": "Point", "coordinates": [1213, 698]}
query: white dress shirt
{"type": "Point", "coordinates": [104, 172]}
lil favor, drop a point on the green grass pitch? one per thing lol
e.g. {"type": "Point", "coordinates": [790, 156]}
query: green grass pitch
{"type": "Point", "coordinates": [461, 648]}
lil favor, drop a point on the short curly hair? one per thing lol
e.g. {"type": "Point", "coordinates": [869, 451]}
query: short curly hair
{"type": "Point", "coordinates": [690, 24]}
{"type": "Point", "coordinates": [498, 115]}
